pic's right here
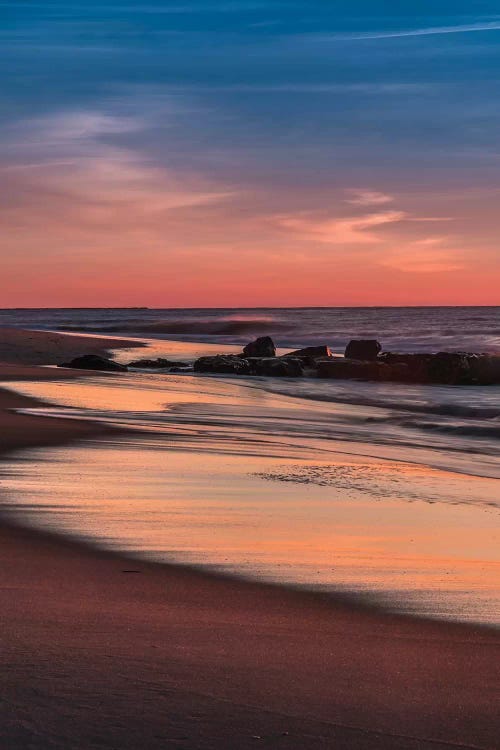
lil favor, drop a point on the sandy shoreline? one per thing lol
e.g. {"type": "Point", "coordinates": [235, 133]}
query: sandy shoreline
{"type": "Point", "coordinates": [97, 657]}
{"type": "Point", "coordinates": [21, 353]}
{"type": "Point", "coordinates": [22, 347]}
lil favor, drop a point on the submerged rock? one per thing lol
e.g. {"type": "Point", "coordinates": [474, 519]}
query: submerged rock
{"type": "Point", "coordinates": [363, 349]}
{"type": "Point", "coordinates": [261, 347]}
{"type": "Point", "coordinates": [157, 364]}
{"type": "Point", "coordinates": [223, 363]}
{"type": "Point", "coordinates": [94, 362]}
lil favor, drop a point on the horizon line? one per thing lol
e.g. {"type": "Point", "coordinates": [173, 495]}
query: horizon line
{"type": "Point", "coordinates": [260, 307]}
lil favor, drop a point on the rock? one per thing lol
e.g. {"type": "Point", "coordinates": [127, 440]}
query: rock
{"type": "Point", "coordinates": [412, 368]}
{"type": "Point", "coordinates": [449, 368]}
{"type": "Point", "coordinates": [446, 368]}
{"type": "Point", "coordinates": [484, 369]}
{"type": "Point", "coordinates": [363, 349]}
{"type": "Point", "coordinates": [181, 370]}
{"type": "Point", "coordinates": [310, 353]}
{"type": "Point", "coordinates": [398, 372]}
{"type": "Point", "coordinates": [261, 347]}
{"type": "Point", "coordinates": [230, 364]}
{"type": "Point", "coordinates": [348, 369]}
{"type": "Point", "coordinates": [291, 367]}
{"type": "Point", "coordinates": [156, 364]}
{"type": "Point", "coordinates": [236, 365]}
{"type": "Point", "coordinates": [94, 362]}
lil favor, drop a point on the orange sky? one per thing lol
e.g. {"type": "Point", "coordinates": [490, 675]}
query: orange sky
{"type": "Point", "coordinates": [115, 231]}
{"type": "Point", "coordinates": [272, 154]}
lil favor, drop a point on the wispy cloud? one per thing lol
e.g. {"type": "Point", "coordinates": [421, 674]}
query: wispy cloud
{"type": "Point", "coordinates": [372, 88]}
{"type": "Point", "coordinates": [95, 175]}
{"type": "Point", "coordinates": [360, 197]}
{"type": "Point", "coordinates": [353, 230]}
{"type": "Point", "coordinates": [398, 249]}
{"type": "Point", "coordinates": [428, 255]}
{"type": "Point", "coordinates": [426, 31]}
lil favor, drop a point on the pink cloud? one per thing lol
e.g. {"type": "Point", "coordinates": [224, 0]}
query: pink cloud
{"type": "Point", "coordinates": [428, 255]}
{"type": "Point", "coordinates": [353, 230]}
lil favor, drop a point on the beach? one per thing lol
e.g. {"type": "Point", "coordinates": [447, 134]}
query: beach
{"type": "Point", "coordinates": [21, 353]}
{"type": "Point", "coordinates": [104, 651]}
{"type": "Point", "coordinates": [249, 375]}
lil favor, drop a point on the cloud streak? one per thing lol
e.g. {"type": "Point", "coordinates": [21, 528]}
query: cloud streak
{"type": "Point", "coordinates": [428, 31]}
{"type": "Point", "coordinates": [399, 251]}
{"type": "Point", "coordinates": [428, 255]}
{"type": "Point", "coordinates": [353, 230]}
{"type": "Point", "coordinates": [96, 177]}
{"type": "Point", "coordinates": [370, 88]}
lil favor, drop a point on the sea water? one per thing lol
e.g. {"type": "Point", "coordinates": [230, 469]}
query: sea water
{"type": "Point", "coordinates": [404, 329]}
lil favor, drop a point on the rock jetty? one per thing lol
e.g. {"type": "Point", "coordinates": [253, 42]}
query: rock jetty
{"type": "Point", "coordinates": [363, 360]}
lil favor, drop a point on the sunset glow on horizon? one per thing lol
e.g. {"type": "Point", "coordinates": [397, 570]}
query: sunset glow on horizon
{"type": "Point", "coordinates": [214, 154]}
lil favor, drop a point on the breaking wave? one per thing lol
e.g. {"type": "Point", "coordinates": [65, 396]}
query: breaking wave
{"type": "Point", "coordinates": [221, 327]}
{"type": "Point", "coordinates": [398, 329]}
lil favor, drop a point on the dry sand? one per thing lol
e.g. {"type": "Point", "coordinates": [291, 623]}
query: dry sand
{"type": "Point", "coordinates": [97, 656]}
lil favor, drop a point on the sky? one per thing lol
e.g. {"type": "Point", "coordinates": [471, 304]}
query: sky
{"type": "Point", "coordinates": [189, 153]}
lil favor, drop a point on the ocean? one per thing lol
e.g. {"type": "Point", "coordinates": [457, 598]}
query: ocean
{"type": "Point", "coordinates": [385, 491]}
{"type": "Point", "coordinates": [404, 329]}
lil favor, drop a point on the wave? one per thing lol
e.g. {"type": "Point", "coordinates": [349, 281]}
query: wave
{"type": "Point", "coordinates": [398, 329]}
{"type": "Point", "coordinates": [221, 327]}
{"type": "Point", "coordinates": [406, 405]}
{"type": "Point", "coordinates": [477, 431]}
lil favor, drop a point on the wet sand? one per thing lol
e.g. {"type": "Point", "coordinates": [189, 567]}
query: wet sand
{"type": "Point", "coordinates": [97, 656]}
{"type": "Point", "coordinates": [22, 347]}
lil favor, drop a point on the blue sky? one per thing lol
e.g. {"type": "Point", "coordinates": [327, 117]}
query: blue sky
{"type": "Point", "coordinates": [229, 134]}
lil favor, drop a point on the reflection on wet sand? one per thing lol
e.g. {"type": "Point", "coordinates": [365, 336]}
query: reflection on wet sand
{"type": "Point", "coordinates": [242, 480]}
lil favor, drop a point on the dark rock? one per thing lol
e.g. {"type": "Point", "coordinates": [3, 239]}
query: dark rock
{"type": "Point", "coordinates": [261, 347]}
{"type": "Point", "coordinates": [413, 368]}
{"type": "Point", "coordinates": [157, 364]}
{"type": "Point", "coordinates": [363, 349]}
{"type": "Point", "coordinates": [310, 353]}
{"type": "Point", "coordinates": [347, 369]}
{"type": "Point", "coordinates": [291, 367]}
{"type": "Point", "coordinates": [398, 372]}
{"type": "Point", "coordinates": [484, 369]}
{"type": "Point", "coordinates": [180, 370]}
{"type": "Point", "coordinates": [236, 365]}
{"type": "Point", "coordinates": [223, 363]}
{"type": "Point", "coordinates": [452, 368]}
{"type": "Point", "coordinates": [447, 368]}
{"type": "Point", "coordinates": [94, 362]}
